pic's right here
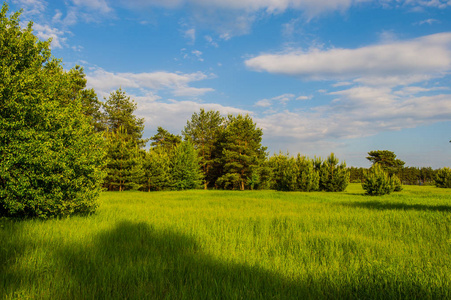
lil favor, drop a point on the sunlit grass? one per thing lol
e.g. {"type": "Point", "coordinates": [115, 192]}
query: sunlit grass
{"type": "Point", "coordinates": [236, 245]}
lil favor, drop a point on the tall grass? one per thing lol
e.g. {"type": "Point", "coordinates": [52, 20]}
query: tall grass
{"type": "Point", "coordinates": [236, 245]}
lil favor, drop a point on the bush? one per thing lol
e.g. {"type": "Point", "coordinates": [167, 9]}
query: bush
{"type": "Point", "coordinates": [378, 182]}
{"type": "Point", "coordinates": [333, 177]}
{"type": "Point", "coordinates": [443, 178]}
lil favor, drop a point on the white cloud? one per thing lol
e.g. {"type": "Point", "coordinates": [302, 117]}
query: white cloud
{"type": "Point", "coordinates": [302, 98]}
{"type": "Point", "coordinates": [406, 61]}
{"type": "Point", "coordinates": [96, 5]}
{"type": "Point", "coordinates": [190, 34]}
{"type": "Point", "coordinates": [45, 32]}
{"type": "Point", "coordinates": [198, 54]}
{"type": "Point", "coordinates": [31, 7]}
{"type": "Point", "coordinates": [428, 21]}
{"type": "Point", "coordinates": [177, 83]}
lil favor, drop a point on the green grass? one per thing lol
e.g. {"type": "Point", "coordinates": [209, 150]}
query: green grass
{"type": "Point", "coordinates": [236, 245]}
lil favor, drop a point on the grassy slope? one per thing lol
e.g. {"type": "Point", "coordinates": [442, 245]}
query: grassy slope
{"type": "Point", "coordinates": [236, 245]}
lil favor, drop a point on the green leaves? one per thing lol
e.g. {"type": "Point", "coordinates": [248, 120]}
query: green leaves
{"type": "Point", "coordinates": [443, 178]}
{"type": "Point", "coordinates": [378, 182]}
{"type": "Point", "coordinates": [50, 158]}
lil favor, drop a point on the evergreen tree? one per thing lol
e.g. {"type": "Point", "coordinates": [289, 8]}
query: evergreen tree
{"type": "Point", "coordinates": [204, 130]}
{"type": "Point", "coordinates": [124, 162]}
{"type": "Point", "coordinates": [443, 178]}
{"type": "Point", "coordinates": [50, 156]}
{"type": "Point", "coordinates": [241, 151]}
{"type": "Point", "coordinates": [157, 169]}
{"type": "Point", "coordinates": [333, 177]}
{"type": "Point", "coordinates": [165, 140]}
{"type": "Point", "coordinates": [378, 182]}
{"type": "Point", "coordinates": [308, 177]}
{"type": "Point", "coordinates": [185, 169]}
{"type": "Point", "coordinates": [387, 160]}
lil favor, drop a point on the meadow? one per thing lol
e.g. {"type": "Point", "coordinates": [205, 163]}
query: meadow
{"type": "Point", "coordinates": [236, 245]}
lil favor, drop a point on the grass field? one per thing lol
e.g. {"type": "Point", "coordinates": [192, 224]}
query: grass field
{"type": "Point", "coordinates": [236, 245]}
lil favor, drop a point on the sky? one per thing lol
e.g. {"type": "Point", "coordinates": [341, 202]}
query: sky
{"type": "Point", "coordinates": [317, 76]}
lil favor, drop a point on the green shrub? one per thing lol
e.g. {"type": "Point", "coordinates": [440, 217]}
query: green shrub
{"type": "Point", "coordinates": [378, 182]}
{"type": "Point", "coordinates": [333, 177]}
{"type": "Point", "coordinates": [443, 178]}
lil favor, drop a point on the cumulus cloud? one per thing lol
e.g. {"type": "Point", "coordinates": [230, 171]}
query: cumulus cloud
{"type": "Point", "coordinates": [406, 61]}
{"type": "Point", "coordinates": [177, 83]}
{"type": "Point", "coordinates": [45, 32]}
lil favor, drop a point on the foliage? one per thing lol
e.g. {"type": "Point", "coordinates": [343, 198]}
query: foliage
{"type": "Point", "coordinates": [124, 162]}
{"type": "Point", "coordinates": [333, 177]}
{"type": "Point", "coordinates": [242, 152]}
{"type": "Point", "coordinates": [157, 168]}
{"type": "Point", "coordinates": [387, 160]}
{"type": "Point", "coordinates": [378, 182]}
{"type": "Point", "coordinates": [443, 178]}
{"type": "Point", "coordinates": [185, 169]}
{"type": "Point", "coordinates": [50, 156]}
{"type": "Point", "coordinates": [204, 130]}
{"type": "Point", "coordinates": [165, 140]}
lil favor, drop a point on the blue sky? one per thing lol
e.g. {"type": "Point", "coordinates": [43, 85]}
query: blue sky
{"type": "Point", "coordinates": [318, 76]}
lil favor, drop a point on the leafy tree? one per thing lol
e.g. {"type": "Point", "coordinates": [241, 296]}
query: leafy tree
{"type": "Point", "coordinates": [241, 151]}
{"type": "Point", "coordinates": [157, 169]}
{"type": "Point", "coordinates": [50, 156]}
{"type": "Point", "coordinates": [165, 140]}
{"type": "Point", "coordinates": [204, 130]}
{"type": "Point", "coordinates": [124, 162]}
{"type": "Point", "coordinates": [185, 170]}
{"type": "Point", "coordinates": [443, 178]}
{"type": "Point", "coordinates": [378, 182]}
{"type": "Point", "coordinates": [387, 160]}
{"type": "Point", "coordinates": [334, 177]}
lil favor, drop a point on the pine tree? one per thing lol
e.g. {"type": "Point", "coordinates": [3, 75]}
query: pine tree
{"type": "Point", "coordinates": [157, 169]}
{"type": "Point", "coordinates": [165, 140]}
{"type": "Point", "coordinates": [241, 151]}
{"type": "Point", "coordinates": [204, 130]}
{"type": "Point", "coordinates": [333, 177]}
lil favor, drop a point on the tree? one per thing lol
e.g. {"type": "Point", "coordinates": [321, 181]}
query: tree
{"type": "Point", "coordinates": [50, 156]}
{"type": "Point", "coordinates": [387, 160]}
{"type": "Point", "coordinates": [125, 143]}
{"type": "Point", "coordinates": [185, 169]}
{"type": "Point", "coordinates": [378, 182]}
{"type": "Point", "coordinates": [124, 162]}
{"type": "Point", "coordinates": [204, 130]}
{"type": "Point", "coordinates": [334, 177]}
{"type": "Point", "coordinates": [443, 178]}
{"type": "Point", "coordinates": [242, 151]}
{"type": "Point", "coordinates": [157, 169]}
{"type": "Point", "coordinates": [119, 109]}
{"type": "Point", "coordinates": [165, 140]}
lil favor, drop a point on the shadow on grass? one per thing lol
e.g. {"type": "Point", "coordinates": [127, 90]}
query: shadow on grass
{"type": "Point", "coordinates": [380, 205]}
{"type": "Point", "coordinates": [136, 261]}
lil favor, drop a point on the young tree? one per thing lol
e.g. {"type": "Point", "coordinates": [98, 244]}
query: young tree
{"type": "Point", "coordinates": [157, 169]}
{"type": "Point", "coordinates": [241, 151]}
{"type": "Point", "coordinates": [443, 178]}
{"type": "Point", "coordinates": [378, 182]}
{"type": "Point", "coordinates": [50, 156]}
{"type": "Point", "coordinates": [334, 177]}
{"type": "Point", "coordinates": [185, 169]}
{"type": "Point", "coordinates": [204, 130]}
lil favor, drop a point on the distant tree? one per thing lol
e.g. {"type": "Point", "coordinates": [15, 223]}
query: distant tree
{"type": "Point", "coordinates": [119, 113]}
{"type": "Point", "coordinates": [308, 178]}
{"type": "Point", "coordinates": [185, 169]}
{"type": "Point", "coordinates": [50, 156]}
{"type": "Point", "coordinates": [387, 160]}
{"type": "Point", "coordinates": [204, 131]}
{"type": "Point", "coordinates": [242, 152]}
{"type": "Point", "coordinates": [443, 178]}
{"type": "Point", "coordinates": [165, 140]}
{"type": "Point", "coordinates": [157, 169]}
{"type": "Point", "coordinates": [333, 177]}
{"type": "Point", "coordinates": [124, 143]}
{"type": "Point", "coordinates": [124, 162]}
